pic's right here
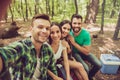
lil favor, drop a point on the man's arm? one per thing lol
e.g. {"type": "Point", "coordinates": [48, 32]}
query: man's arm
{"type": "Point", "coordinates": [83, 49]}
{"type": "Point", "coordinates": [1, 64]}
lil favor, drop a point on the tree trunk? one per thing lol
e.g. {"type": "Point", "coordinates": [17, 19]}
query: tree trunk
{"type": "Point", "coordinates": [76, 6]}
{"type": "Point", "coordinates": [115, 36]}
{"type": "Point", "coordinates": [47, 6]}
{"type": "Point", "coordinates": [113, 11]}
{"type": "Point", "coordinates": [52, 8]}
{"type": "Point", "coordinates": [26, 4]}
{"type": "Point", "coordinates": [102, 18]}
{"type": "Point", "coordinates": [22, 11]}
{"type": "Point", "coordinates": [92, 10]}
{"type": "Point", "coordinates": [36, 6]}
{"type": "Point", "coordinates": [12, 17]}
{"type": "Point", "coordinates": [6, 16]}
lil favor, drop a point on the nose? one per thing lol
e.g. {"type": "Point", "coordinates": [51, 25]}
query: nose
{"type": "Point", "coordinates": [66, 31]}
{"type": "Point", "coordinates": [44, 30]}
{"type": "Point", "coordinates": [55, 35]}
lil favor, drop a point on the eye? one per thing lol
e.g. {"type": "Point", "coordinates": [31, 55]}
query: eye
{"type": "Point", "coordinates": [40, 27]}
{"type": "Point", "coordinates": [52, 32]}
{"type": "Point", "coordinates": [48, 28]}
{"type": "Point", "coordinates": [58, 31]}
{"type": "Point", "coordinates": [64, 27]}
{"type": "Point", "coordinates": [74, 23]}
{"type": "Point", "coordinates": [79, 23]}
{"type": "Point", "coordinates": [68, 29]}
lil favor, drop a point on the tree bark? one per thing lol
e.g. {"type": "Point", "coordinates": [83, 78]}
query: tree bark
{"type": "Point", "coordinates": [53, 8]}
{"type": "Point", "coordinates": [76, 6]}
{"type": "Point", "coordinates": [92, 10]}
{"type": "Point", "coordinates": [12, 17]}
{"type": "Point", "coordinates": [26, 4]}
{"type": "Point", "coordinates": [36, 6]}
{"type": "Point", "coordinates": [113, 10]}
{"type": "Point", "coordinates": [115, 36]}
{"type": "Point", "coordinates": [102, 18]}
{"type": "Point", "coordinates": [22, 11]}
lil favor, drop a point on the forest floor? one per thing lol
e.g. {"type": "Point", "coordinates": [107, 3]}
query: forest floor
{"type": "Point", "coordinates": [100, 45]}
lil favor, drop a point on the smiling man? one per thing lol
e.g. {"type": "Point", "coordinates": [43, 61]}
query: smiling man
{"type": "Point", "coordinates": [81, 42]}
{"type": "Point", "coordinates": [29, 59]}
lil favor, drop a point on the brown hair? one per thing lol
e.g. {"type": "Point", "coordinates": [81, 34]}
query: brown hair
{"type": "Point", "coordinates": [76, 16]}
{"type": "Point", "coordinates": [40, 16]}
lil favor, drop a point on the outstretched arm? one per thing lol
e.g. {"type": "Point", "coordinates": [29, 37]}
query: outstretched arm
{"type": "Point", "coordinates": [1, 64]}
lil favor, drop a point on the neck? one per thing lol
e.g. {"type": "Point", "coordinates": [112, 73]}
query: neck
{"type": "Point", "coordinates": [76, 34]}
{"type": "Point", "coordinates": [37, 46]}
{"type": "Point", "coordinates": [55, 43]}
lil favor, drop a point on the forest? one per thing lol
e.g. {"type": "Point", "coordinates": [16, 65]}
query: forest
{"type": "Point", "coordinates": [100, 17]}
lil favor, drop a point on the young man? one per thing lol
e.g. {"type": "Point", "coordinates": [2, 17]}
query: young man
{"type": "Point", "coordinates": [29, 59]}
{"type": "Point", "coordinates": [81, 42]}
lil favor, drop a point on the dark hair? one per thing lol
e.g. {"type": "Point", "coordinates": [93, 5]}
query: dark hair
{"type": "Point", "coordinates": [52, 24]}
{"type": "Point", "coordinates": [40, 16]}
{"type": "Point", "coordinates": [76, 16]}
{"type": "Point", "coordinates": [64, 22]}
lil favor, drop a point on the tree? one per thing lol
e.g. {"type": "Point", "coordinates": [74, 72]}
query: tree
{"type": "Point", "coordinates": [12, 17]}
{"type": "Point", "coordinates": [102, 18]}
{"type": "Point", "coordinates": [26, 4]}
{"type": "Point", "coordinates": [115, 36]}
{"type": "Point", "coordinates": [36, 6]}
{"type": "Point", "coordinates": [47, 7]}
{"type": "Point", "coordinates": [113, 11]}
{"type": "Point", "coordinates": [53, 8]}
{"type": "Point", "coordinates": [22, 10]}
{"type": "Point", "coordinates": [92, 10]}
{"type": "Point", "coordinates": [76, 6]}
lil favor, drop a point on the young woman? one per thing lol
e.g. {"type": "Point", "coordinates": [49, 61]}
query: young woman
{"type": "Point", "coordinates": [77, 67]}
{"type": "Point", "coordinates": [59, 50]}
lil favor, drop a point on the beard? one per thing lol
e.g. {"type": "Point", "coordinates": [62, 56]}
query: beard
{"type": "Point", "coordinates": [76, 30]}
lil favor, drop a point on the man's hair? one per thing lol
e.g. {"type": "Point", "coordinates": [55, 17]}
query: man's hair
{"type": "Point", "coordinates": [41, 16]}
{"type": "Point", "coordinates": [76, 16]}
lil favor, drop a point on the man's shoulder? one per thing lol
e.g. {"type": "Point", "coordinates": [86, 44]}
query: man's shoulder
{"type": "Point", "coordinates": [47, 45]}
{"type": "Point", "coordinates": [84, 31]}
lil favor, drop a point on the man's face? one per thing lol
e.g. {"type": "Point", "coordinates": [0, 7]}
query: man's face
{"type": "Point", "coordinates": [76, 25]}
{"type": "Point", "coordinates": [40, 30]}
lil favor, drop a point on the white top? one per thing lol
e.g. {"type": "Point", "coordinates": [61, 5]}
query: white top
{"type": "Point", "coordinates": [58, 54]}
{"type": "Point", "coordinates": [36, 74]}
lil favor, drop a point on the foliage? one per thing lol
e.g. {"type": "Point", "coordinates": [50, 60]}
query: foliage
{"type": "Point", "coordinates": [63, 9]}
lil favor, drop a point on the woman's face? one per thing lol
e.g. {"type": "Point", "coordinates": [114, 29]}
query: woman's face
{"type": "Point", "coordinates": [65, 29]}
{"type": "Point", "coordinates": [55, 33]}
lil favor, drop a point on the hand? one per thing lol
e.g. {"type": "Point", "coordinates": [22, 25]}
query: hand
{"type": "Point", "coordinates": [73, 58]}
{"type": "Point", "coordinates": [71, 39]}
